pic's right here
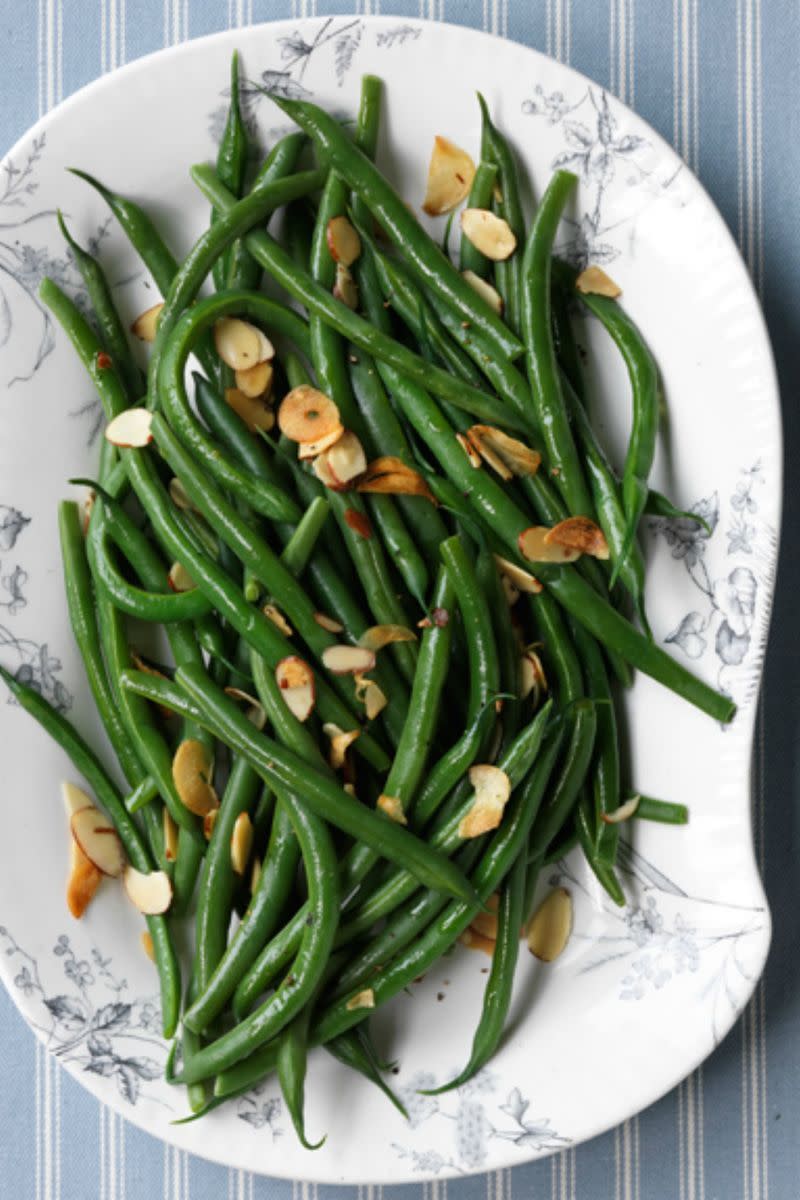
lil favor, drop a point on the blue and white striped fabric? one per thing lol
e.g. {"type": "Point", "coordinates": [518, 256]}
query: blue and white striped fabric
{"type": "Point", "coordinates": [721, 80]}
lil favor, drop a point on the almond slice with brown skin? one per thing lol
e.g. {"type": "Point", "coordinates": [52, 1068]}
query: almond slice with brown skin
{"type": "Point", "coordinates": [130, 430]}
{"type": "Point", "coordinates": [256, 381]}
{"type": "Point", "coordinates": [98, 839]}
{"type": "Point", "coordinates": [74, 799]}
{"type": "Point", "coordinates": [579, 535]}
{"type": "Point", "coordinates": [378, 636]}
{"type": "Point", "coordinates": [623, 813]}
{"type": "Point", "coordinates": [534, 546]}
{"type": "Point", "coordinates": [490, 234]}
{"type": "Point", "coordinates": [330, 624]}
{"type": "Point", "coordinates": [485, 291]}
{"type": "Point", "coordinates": [145, 326]}
{"type": "Point", "coordinates": [362, 999]}
{"type": "Point", "coordinates": [192, 772]}
{"type": "Point", "coordinates": [170, 835]}
{"type": "Point", "coordinates": [324, 473]}
{"type": "Point", "coordinates": [550, 926]}
{"type": "Point", "coordinates": [348, 660]}
{"type": "Point", "coordinates": [150, 892]}
{"type": "Point", "coordinates": [345, 287]}
{"type": "Point", "coordinates": [390, 476]}
{"type": "Point", "coordinates": [276, 616]}
{"type": "Point", "coordinates": [253, 410]}
{"type": "Point", "coordinates": [532, 678]}
{"type": "Point", "coordinates": [241, 345]}
{"type": "Point", "coordinates": [514, 454]}
{"type": "Point", "coordinates": [522, 580]}
{"type": "Point", "coordinates": [83, 881]}
{"type": "Point", "coordinates": [344, 244]}
{"type": "Point", "coordinates": [241, 842]}
{"type": "Point", "coordinates": [296, 680]}
{"type": "Point", "coordinates": [254, 710]}
{"type": "Point", "coordinates": [340, 742]}
{"type": "Point", "coordinates": [179, 579]}
{"type": "Point", "coordinates": [307, 415]}
{"type": "Point", "coordinates": [450, 174]}
{"type": "Point", "coordinates": [346, 459]}
{"type": "Point", "coordinates": [594, 281]}
{"type": "Point", "coordinates": [375, 700]}
{"type": "Point", "coordinates": [392, 807]}
{"type": "Point", "coordinates": [470, 450]}
{"type": "Point", "coordinates": [510, 590]}
{"type": "Point", "coordinates": [492, 790]}
{"type": "Point", "coordinates": [487, 453]}
{"type": "Point", "coordinates": [307, 450]}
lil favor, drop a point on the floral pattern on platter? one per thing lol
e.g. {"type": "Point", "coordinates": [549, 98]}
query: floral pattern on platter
{"type": "Point", "coordinates": [87, 1018]}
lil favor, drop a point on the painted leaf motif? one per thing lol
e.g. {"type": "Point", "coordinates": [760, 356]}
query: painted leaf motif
{"type": "Point", "coordinates": [102, 1065]}
{"type": "Point", "coordinates": [99, 1044]}
{"type": "Point", "coordinates": [735, 597]}
{"type": "Point", "coordinates": [628, 144]}
{"type": "Point", "coordinates": [254, 1117]}
{"type": "Point", "coordinates": [112, 1017]}
{"type": "Point", "coordinates": [12, 522]}
{"type": "Point", "coordinates": [128, 1083]}
{"type": "Point", "coordinates": [515, 1106]}
{"type": "Point", "coordinates": [731, 647]}
{"type": "Point", "coordinates": [577, 134]}
{"type": "Point", "coordinates": [67, 1011]}
{"type": "Point", "coordinates": [689, 635]}
{"type": "Point", "coordinates": [145, 1068]}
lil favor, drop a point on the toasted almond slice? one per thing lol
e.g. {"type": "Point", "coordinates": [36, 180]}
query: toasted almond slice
{"type": "Point", "coordinates": [254, 711]}
{"type": "Point", "coordinates": [490, 234]}
{"type": "Point", "coordinates": [209, 821]}
{"type": "Point", "coordinates": [392, 806]}
{"type": "Point", "coordinates": [378, 636]}
{"type": "Point", "coordinates": [390, 476]}
{"type": "Point", "coordinates": [485, 923]}
{"type": "Point", "coordinates": [470, 451]}
{"type": "Point", "coordinates": [450, 174]}
{"type": "Point", "coordinates": [345, 288]}
{"type": "Point", "coordinates": [492, 790]}
{"type": "Point", "coordinates": [241, 345]}
{"type": "Point", "coordinates": [488, 453]}
{"type": "Point", "coordinates": [343, 241]}
{"type": "Point", "coordinates": [594, 281]}
{"type": "Point", "coordinates": [255, 873]}
{"type": "Point", "coordinates": [346, 459]}
{"type": "Point", "coordinates": [241, 842]}
{"type": "Point", "coordinates": [348, 660]}
{"type": "Point", "coordinates": [192, 772]}
{"type": "Point", "coordinates": [87, 505]}
{"type": "Point", "coordinates": [477, 941]}
{"type": "Point", "coordinates": [534, 546]}
{"type": "Point", "coordinates": [179, 579]}
{"type": "Point", "coordinates": [306, 450]}
{"type": "Point", "coordinates": [328, 623]}
{"type": "Point", "coordinates": [170, 836]}
{"type": "Point", "coordinates": [306, 415]}
{"type": "Point", "coordinates": [550, 926]}
{"type": "Point", "coordinates": [74, 799]}
{"type": "Point", "coordinates": [340, 741]}
{"type": "Point", "coordinates": [517, 457]}
{"type": "Point", "coordinates": [324, 473]}
{"type": "Point", "coordinates": [485, 290]}
{"type": "Point", "coordinates": [522, 580]}
{"type": "Point", "coordinates": [581, 535]}
{"type": "Point", "coordinates": [98, 839]}
{"type": "Point", "coordinates": [363, 999]}
{"type": "Point", "coordinates": [256, 381]}
{"type": "Point", "coordinates": [532, 678]}
{"type": "Point", "coordinates": [276, 616]}
{"type": "Point", "coordinates": [623, 813]}
{"type": "Point", "coordinates": [146, 324]}
{"type": "Point", "coordinates": [150, 892]}
{"type": "Point", "coordinates": [375, 700]}
{"type": "Point", "coordinates": [253, 410]}
{"type": "Point", "coordinates": [147, 944]}
{"type": "Point", "coordinates": [180, 497]}
{"type": "Point", "coordinates": [296, 680]}
{"type": "Point", "coordinates": [130, 430]}
{"type": "Point", "coordinates": [510, 590]}
{"type": "Point", "coordinates": [84, 880]}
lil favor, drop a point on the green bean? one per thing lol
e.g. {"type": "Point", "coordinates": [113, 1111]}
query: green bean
{"type": "Point", "coordinates": [658, 505]}
{"type": "Point", "coordinates": [480, 196]}
{"type": "Point", "coordinates": [481, 647]}
{"type": "Point", "coordinates": [663, 811]}
{"type": "Point", "coordinates": [141, 795]}
{"type": "Point", "coordinates": [163, 607]}
{"type": "Point", "coordinates": [354, 1050]}
{"type": "Point", "coordinates": [291, 1066]}
{"type": "Point", "coordinates": [567, 352]}
{"type": "Point", "coordinates": [231, 164]}
{"type": "Point", "coordinates": [578, 757]}
{"type": "Point", "coordinates": [506, 643]}
{"type": "Point", "coordinates": [509, 206]}
{"type": "Point", "coordinates": [605, 783]}
{"type": "Point", "coordinates": [453, 764]}
{"type": "Point", "coordinates": [89, 766]}
{"type": "Point", "coordinates": [302, 544]}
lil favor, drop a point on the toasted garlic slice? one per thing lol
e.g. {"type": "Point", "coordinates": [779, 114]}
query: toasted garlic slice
{"type": "Point", "coordinates": [534, 546]}
{"type": "Point", "coordinates": [170, 835]}
{"type": "Point", "coordinates": [306, 415]}
{"type": "Point", "coordinates": [192, 770]}
{"type": "Point", "coordinates": [490, 234]}
{"type": "Point", "coordinates": [522, 580]}
{"type": "Point", "coordinates": [253, 410]}
{"type": "Point", "coordinates": [470, 450]}
{"type": "Point", "coordinates": [492, 790]}
{"type": "Point", "coordinates": [623, 813]}
{"type": "Point", "coordinates": [179, 579]}
{"type": "Point", "coordinates": [330, 624]}
{"type": "Point", "coordinates": [256, 380]}
{"type": "Point", "coordinates": [344, 244]}
{"type": "Point", "coordinates": [83, 881]}
{"type": "Point", "coordinates": [276, 616]}
{"type": "Point", "coordinates": [295, 678]}
{"type": "Point", "coordinates": [346, 459]}
{"type": "Point", "coordinates": [594, 281]}
{"type": "Point", "coordinates": [550, 926]}
{"type": "Point", "coordinates": [450, 174]}
{"type": "Point", "coordinates": [146, 324]}
{"type": "Point", "coordinates": [518, 458]}
{"type": "Point", "coordinates": [390, 476]}
{"type": "Point", "coordinates": [579, 534]}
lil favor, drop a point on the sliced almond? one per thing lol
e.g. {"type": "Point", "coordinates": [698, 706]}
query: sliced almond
{"type": "Point", "coordinates": [256, 381]}
{"type": "Point", "coordinates": [364, 999]}
{"type": "Point", "coordinates": [150, 892]}
{"type": "Point", "coordinates": [510, 590]}
{"type": "Point", "coordinates": [623, 813]}
{"type": "Point", "coordinates": [450, 174]}
{"type": "Point", "coordinates": [478, 941]}
{"type": "Point", "coordinates": [192, 772]}
{"type": "Point", "coordinates": [330, 624]}
{"type": "Point", "coordinates": [296, 680]}
{"type": "Point", "coordinates": [324, 473]}
{"type": "Point", "coordinates": [485, 291]}
{"type": "Point", "coordinates": [255, 874]}
{"type": "Point", "coordinates": [147, 944]}
{"type": "Point", "coordinates": [488, 454]}
{"type": "Point", "coordinates": [254, 710]}
{"type": "Point", "coordinates": [375, 700]}
{"type": "Point", "coordinates": [98, 839]}
{"type": "Point", "coordinates": [253, 410]}
{"type": "Point", "coordinates": [276, 616]}
{"type": "Point", "coordinates": [306, 415]}
{"type": "Point", "coordinates": [341, 740]}
{"type": "Point", "coordinates": [130, 430]}
{"type": "Point", "coordinates": [170, 835]}
{"type": "Point", "coordinates": [87, 506]}
{"type": "Point", "coordinates": [534, 546]}
{"type": "Point", "coordinates": [344, 244]}
{"type": "Point", "coordinates": [179, 579]}
{"type": "Point", "coordinates": [307, 450]}
{"type": "Point", "coordinates": [348, 660]}
{"type": "Point", "coordinates": [346, 459]}
{"type": "Point", "coordinates": [392, 806]}
{"type": "Point", "coordinates": [518, 458]}
{"type": "Point", "coordinates": [345, 288]}
{"type": "Point", "coordinates": [180, 497]}
{"type": "Point", "coordinates": [83, 881]}
{"type": "Point", "coordinates": [492, 790]}
{"type": "Point", "coordinates": [490, 234]}
{"type": "Point", "coordinates": [74, 799]}
{"type": "Point", "coordinates": [390, 476]}
{"type": "Point", "coordinates": [378, 636]}
{"type": "Point", "coordinates": [209, 821]}
{"type": "Point", "coordinates": [550, 926]}
{"type": "Point", "coordinates": [241, 842]}
{"type": "Point", "coordinates": [579, 534]}
{"type": "Point", "coordinates": [485, 923]}
{"type": "Point", "coordinates": [594, 281]}
{"type": "Point", "coordinates": [241, 345]}
{"type": "Point", "coordinates": [145, 326]}
{"type": "Point", "coordinates": [522, 580]}
{"type": "Point", "coordinates": [532, 678]}
{"type": "Point", "coordinates": [470, 450]}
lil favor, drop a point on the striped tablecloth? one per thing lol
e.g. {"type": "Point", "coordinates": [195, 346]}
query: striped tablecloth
{"type": "Point", "coordinates": [721, 80]}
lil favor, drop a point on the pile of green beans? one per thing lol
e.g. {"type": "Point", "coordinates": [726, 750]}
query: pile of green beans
{"type": "Point", "coordinates": [359, 874]}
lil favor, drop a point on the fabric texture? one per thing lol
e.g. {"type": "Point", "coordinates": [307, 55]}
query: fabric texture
{"type": "Point", "coordinates": [720, 80]}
